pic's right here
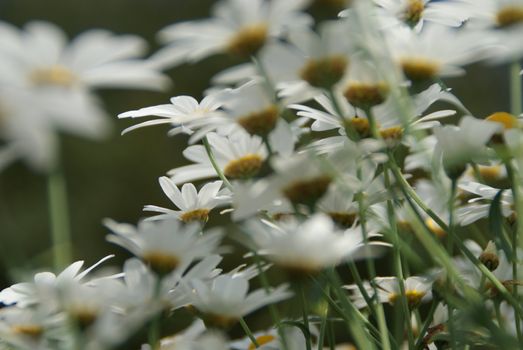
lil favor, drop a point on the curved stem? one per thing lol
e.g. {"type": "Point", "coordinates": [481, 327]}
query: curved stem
{"type": "Point", "coordinates": [219, 171]}
{"type": "Point", "coordinates": [248, 332]}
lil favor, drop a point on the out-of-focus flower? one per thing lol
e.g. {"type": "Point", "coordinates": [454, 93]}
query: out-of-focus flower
{"type": "Point", "coordinates": [225, 300]}
{"type": "Point", "coordinates": [192, 205]}
{"type": "Point", "coordinates": [167, 245]}
{"type": "Point", "coordinates": [237, 27]}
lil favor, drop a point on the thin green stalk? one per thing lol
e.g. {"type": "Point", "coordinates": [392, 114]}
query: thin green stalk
{"type": "Point", "coordinates": [354, 326]}
{"type": "Point", "coordinates": [323, 324]}
{"type": "Point", "coordinates": [59, 217]}
{"type": "Point", "coordinates": [514, 242]}
{"type": "Point", "coordinates": [397, 263]}
{"type": "Point", "coordinates": [516, 93]}
{"type": "Point", "coordinates": [219, 171]}
{"type": "Point", "coordinates": [380, 314]}
{"type": "Point", "coordinates": [248, 332]}
{"type": "Point", "coordinates": [426, 324]}
{"type": "Point", "coordinates": [153, 335]}
{"type": "Point", "coordinates": [351, 133]}
{"type": "Point", "coordinates": [275, 315]}
{"type": "Point", "coordinates": [305, 313]}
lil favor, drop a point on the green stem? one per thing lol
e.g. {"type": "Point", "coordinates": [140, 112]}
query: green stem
{"type": "Point", "coordinates": [275, 315]}
{"type": "Point", "coordinates": [248, 332]}
{"type": "Point", "coordinates": [59, 218]}
{"type": "Point", "coordinates": [351, 133]}
{"type": "Point", "coordinates": [154, 332]}
{"type": "Point", "coordinates": [426, 324]}
{"type": "Point", "coordinates": [323, 324]}
{"type": "Point", "coordinates": [305, 313]}
{"type": "Point", "coordinates": [212, 159]}
{"type": "Point", "coordinates": [380, 314]}
{"type": "Point", "coordinates": [516, 93]}
{"type": "Point", "coordinates": [397, 262]}
{"type": "Point", "coordinates": [514, 242]}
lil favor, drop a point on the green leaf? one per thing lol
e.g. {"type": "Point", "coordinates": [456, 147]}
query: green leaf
{"type": "Point", "coordinates": [496, 225]}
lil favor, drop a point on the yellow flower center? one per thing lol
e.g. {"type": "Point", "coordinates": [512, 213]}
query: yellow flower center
{"type": "Point", "coordinates": [343, 219]}
{"type": "Point", "coordinates": [490, 174]}
{"type": "Point", "coordinates": [84, 316]}
{"type": "Point", "coordinates": [31, 330]}
{"type": "Point", "coordinates": [262, 340]}
{"type": "Point", "coordinates": [248, 40]}
{"type": "Point", "coordinates": [260, 123]}
{"type": "Point", "coordinates": [392, 136]}
{"type": "Point", "coordinates": [244, 167]}
{"type": "Point", "coordinates": [324, 72]}
{"type": "Point", "coordinates": [435, 228]}
{"type": "Point", "coordinates": [201, 215]}
{"type": "Point", "coordinates": [506, 119]}
{"type": "Point", "coordinates": [360, 125]}
{"type": "Point", "coordinates": [55, 75]}
{"type": "Point", "coordinates": [419, 68]}
{"type": "Point", "coordinates": [509, 15]}
{"type": "Point", "coordinates": [366, 95]}
{"type": "Point", "coordinates": [413, 12]}
{"type": "Point", "coordinates": [413, 297]}
{"type": "Point", "coordinates": [160, 262]}
{"type": "Point", "coordinates": [307, 191]}
{"type": "Point", "coordinates": [219, 321]}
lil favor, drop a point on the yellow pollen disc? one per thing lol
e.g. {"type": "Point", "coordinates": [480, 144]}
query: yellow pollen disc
{"type": "Point", "coordinates": [360, 125]}
{"type": "Point", "coordinates": [244, 167]}
{"type": "Point", "coordinates": [435, 228]}
{"type": "Point", "coordinates": [491, 173]}
{"type": "Point", "coordinates": [413, 297]}
{"type": "Point", "coordinates": [324, 72]}
{"type": "Point", "coordinates": [509, 15]}
{"type": "Point", "coordinates": [220, 321]}
{"type": "Point", "coordinates": [506, 119]}
{"type": "Point", "coordinates": [366, 94]}
{"type": "Point", "coordinates": [248, 40]}
{"type": "Point", "coordinates": [84, 316]}
{"type": "Point", "coordinates": [160, 262]}
{"type": "Point", "coordinates": [419, 68]}
{"type": "Point", "coordinates": [201, 215]}
{"type": "Point", "coordinates": [260, 123]}
{"type": "Point", "coordinates": [343, 219]}
{"type": "Point", "coordinates": [31, 330]}
{"type": "Point", "coordinates": [413, 12]}
{"type": "Point", "coordinates": [404, 225]}
{"type": "Point", "coordinates": [262, 340]}
{"type": "Point", "coordinates": [54, 75]}
{"type": "Point", "coordinates": [307, 191]}
{"type": "Point", "coordinates": [394, 133]}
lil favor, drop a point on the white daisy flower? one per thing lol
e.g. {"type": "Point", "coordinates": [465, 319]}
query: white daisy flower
{"type": "Point", "coordinates": [478, 207]}
{"type": "Point", "coordinates": [28, 293]}
{"type": "Point", "coordinates": [238, 156]}
{"type": "Point", "coordinates": [271, 340]}
{"type": "Point", "coordinates": [415, 12]}
{"type": "Point", "coordinates": [462, 144]}
{"type": "Point", "coordinates": [193, 338]}
{"type": "Point", "coordinates": [167, 245]}
{"type": "Point", "coordinates": [437, 51]}
{"type": "Point", "coordinates": [192, 205]}
{"type": "Point", "coordinates": [185, 114]}
{"type": "Point", "coordinates": [26, 328]}
{"type": "Point", "coordinates": [308, 246]}
{"type": "Point", "coordinates": [226, 299]}
{"type": "Point", "coordinates": [56, 79]}
{"type": "Point", "coordinates": [417, 291]}
{"type": "Point", "coordinates": [501, 21]}
{"type": "Point", "coordinates": [41, 57]}
{"type": "Point", "coordinates": [237, 27]}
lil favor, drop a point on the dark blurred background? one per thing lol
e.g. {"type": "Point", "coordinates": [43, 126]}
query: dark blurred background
{"type": "Point", "coordinates": [115, 178]}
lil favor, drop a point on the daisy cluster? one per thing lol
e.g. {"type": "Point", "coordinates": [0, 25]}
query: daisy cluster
{"type": "Point", "coordinates": [351, 173]}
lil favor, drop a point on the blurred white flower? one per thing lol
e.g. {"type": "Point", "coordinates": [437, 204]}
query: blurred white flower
{"type": "Point", "coordinates": [192, 205]}
{"type": "Point", "coordinates": [237, 27]}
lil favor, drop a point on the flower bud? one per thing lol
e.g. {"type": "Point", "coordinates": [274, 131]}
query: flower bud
{"type": "Point", "coordinates": [489, 257]}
